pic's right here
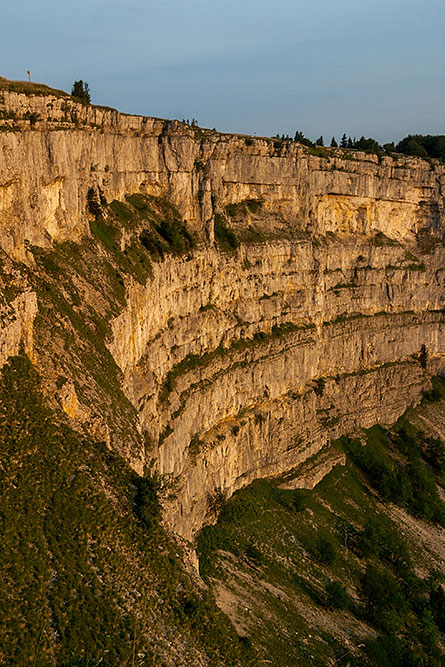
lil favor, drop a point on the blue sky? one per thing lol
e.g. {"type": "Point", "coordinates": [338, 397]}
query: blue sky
{"type": "Point", "coordinates": [321, 66]}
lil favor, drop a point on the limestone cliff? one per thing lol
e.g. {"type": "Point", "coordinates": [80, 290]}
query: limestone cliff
{"type": "Point", "coordinates": [233, 363]}
{"type": "Point", "coordinates": [49, 162]}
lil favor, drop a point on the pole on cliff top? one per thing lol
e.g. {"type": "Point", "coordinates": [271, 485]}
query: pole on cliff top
{"type": "Point", "coordinates": [29, 74]}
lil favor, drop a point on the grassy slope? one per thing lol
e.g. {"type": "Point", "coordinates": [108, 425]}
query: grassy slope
{"type": "Point", "coordinates": [88, 572]}
{"type": "Point", "coordinates": [274, 554]}
{"type": "Point", "coordinates": [31, 88]}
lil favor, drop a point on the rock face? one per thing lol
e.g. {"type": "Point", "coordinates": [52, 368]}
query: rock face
{"type": "Point", "coordinates": [285, 359]}
{"type": "Point", "coordinates": [239, 364]}
{"type": "Point", "coordinates": [48, 164]}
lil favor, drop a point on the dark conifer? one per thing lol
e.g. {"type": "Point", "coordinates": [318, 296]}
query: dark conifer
{"type": "Point", "coordinates": [81, 90]}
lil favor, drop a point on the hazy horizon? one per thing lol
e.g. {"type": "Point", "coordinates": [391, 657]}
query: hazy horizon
{"type": "Point", "coordinates": [260, 68]}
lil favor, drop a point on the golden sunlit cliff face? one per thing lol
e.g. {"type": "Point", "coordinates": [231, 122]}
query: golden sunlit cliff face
{"type": "Point", "coordinates": [298, 313]}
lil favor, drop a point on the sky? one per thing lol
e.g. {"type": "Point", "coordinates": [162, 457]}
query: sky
{"type": "Point", "coordinates": [323, 67]}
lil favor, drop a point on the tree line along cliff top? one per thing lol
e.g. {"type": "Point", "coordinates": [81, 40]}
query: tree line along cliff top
{"type": "Point", "coordinates": [429, 147]}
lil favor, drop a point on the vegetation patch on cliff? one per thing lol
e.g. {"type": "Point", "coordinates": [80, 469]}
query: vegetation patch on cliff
{"type": "Point", "coordinates": [89, 575]}
{"type": "Point", "coordinates": [224, 235]}
{"type": "Point", "coordinates": [82, 286]}
{"type": "Point", "coordinates": [195, 361]}
{"type": "Point", "coordinates": [153, 220]}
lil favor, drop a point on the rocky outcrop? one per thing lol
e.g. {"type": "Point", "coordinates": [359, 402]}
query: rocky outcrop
{"type": "Point", "coordinates": [246, 363]}
{"type": "Point", "coordinates": [17, 319]}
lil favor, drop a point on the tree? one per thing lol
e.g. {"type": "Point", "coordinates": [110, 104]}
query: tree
{"type": "Point", "coordinates": [369, 145]}
{"type": "Point", "coordinates": [389, 148]}
{"type": "Point", "coordinates": [325, 550]}
{"type": "Point", "coordinates": [81, 90]}
{"type": "Point", "coordinates": [413, 147]}
{"type": "Point", "coordinates": [319, 141]}
{"type": "Point", "coordinates": [385, 602]}
{"type": "Point", "coordinates": [333, 143]}
{"type": "Point", "coordinates": [344, 141]}
{"type": "Point", "coordinates": [423, 145]}
{"type": "Point", "coordinates": [336, 596]}
{"type": "Point", "coordinates": [423, 356]}
{"type": "Point", "coordinates": [299, 137]}
{"type": "Point", "coordinates": [33, 117]}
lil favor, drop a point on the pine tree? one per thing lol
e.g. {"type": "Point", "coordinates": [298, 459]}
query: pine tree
{"type": "Point", "coordinates": [320, 141]}
{"type": "Point", "coordinates": [81, 90]}
{"type": "Point", "coordinates": [334, 144]}
{"type": "Point", "coordinates": [344, 141]}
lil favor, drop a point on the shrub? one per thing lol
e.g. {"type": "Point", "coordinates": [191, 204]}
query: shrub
{"type": "Point", "coordinates": [336, 596]}
{"type": "Point", "coordinates": [320, 386]}
{"type": "Point", "coordinates": [146, 501]}
{"type": "Point", "coordinates": [387, 651]}
{"type": "Point", "coordinates": [413, 485]}
{"type": "Point", "coordinates": [139, 202]}
{"type": "Point", "coordinates": [253, 553]}
{"type": "Point", "coordinates": [152, 243]}
{"type": "Point", "coordinates": [425, 501]}
{"type": "Point", "coordinates": [224, 236]}
{"type": "Point", "coordinates": [380, 538]}
{"type": "Point", "coordinates": [380, 239]}
{"type": "Point", "coordinates": [93, 204]}
{"type": "Point", "coordinates": [246, 642]}
{"type": "Point", "coordinates": [434, 453]}
{"type": "Point", "coordinates": [385, 474]}
{"type": "Point", "coordinates": [121, 212]}
{"type": "Point", "coordinates": [384, 600]}
{"type": "Point", "coordinates": [33, 117]}
{"type": "Point", "coordinates": [217, 499]}
{"type": "Point", "coordinates": [325, 550]}
{"type": "Point", "coordinates": [104, 233]}
{"type": "Point", "coordinates": [438, 390]}
{"type": "Point", "coordinates": [176, 235]}
{"type": "Point", "coordinates": [437, 603]}
{"type": "Point", "coordinates": [299, 500]}
{"type": "Point", "coordinates": [254, 205]}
